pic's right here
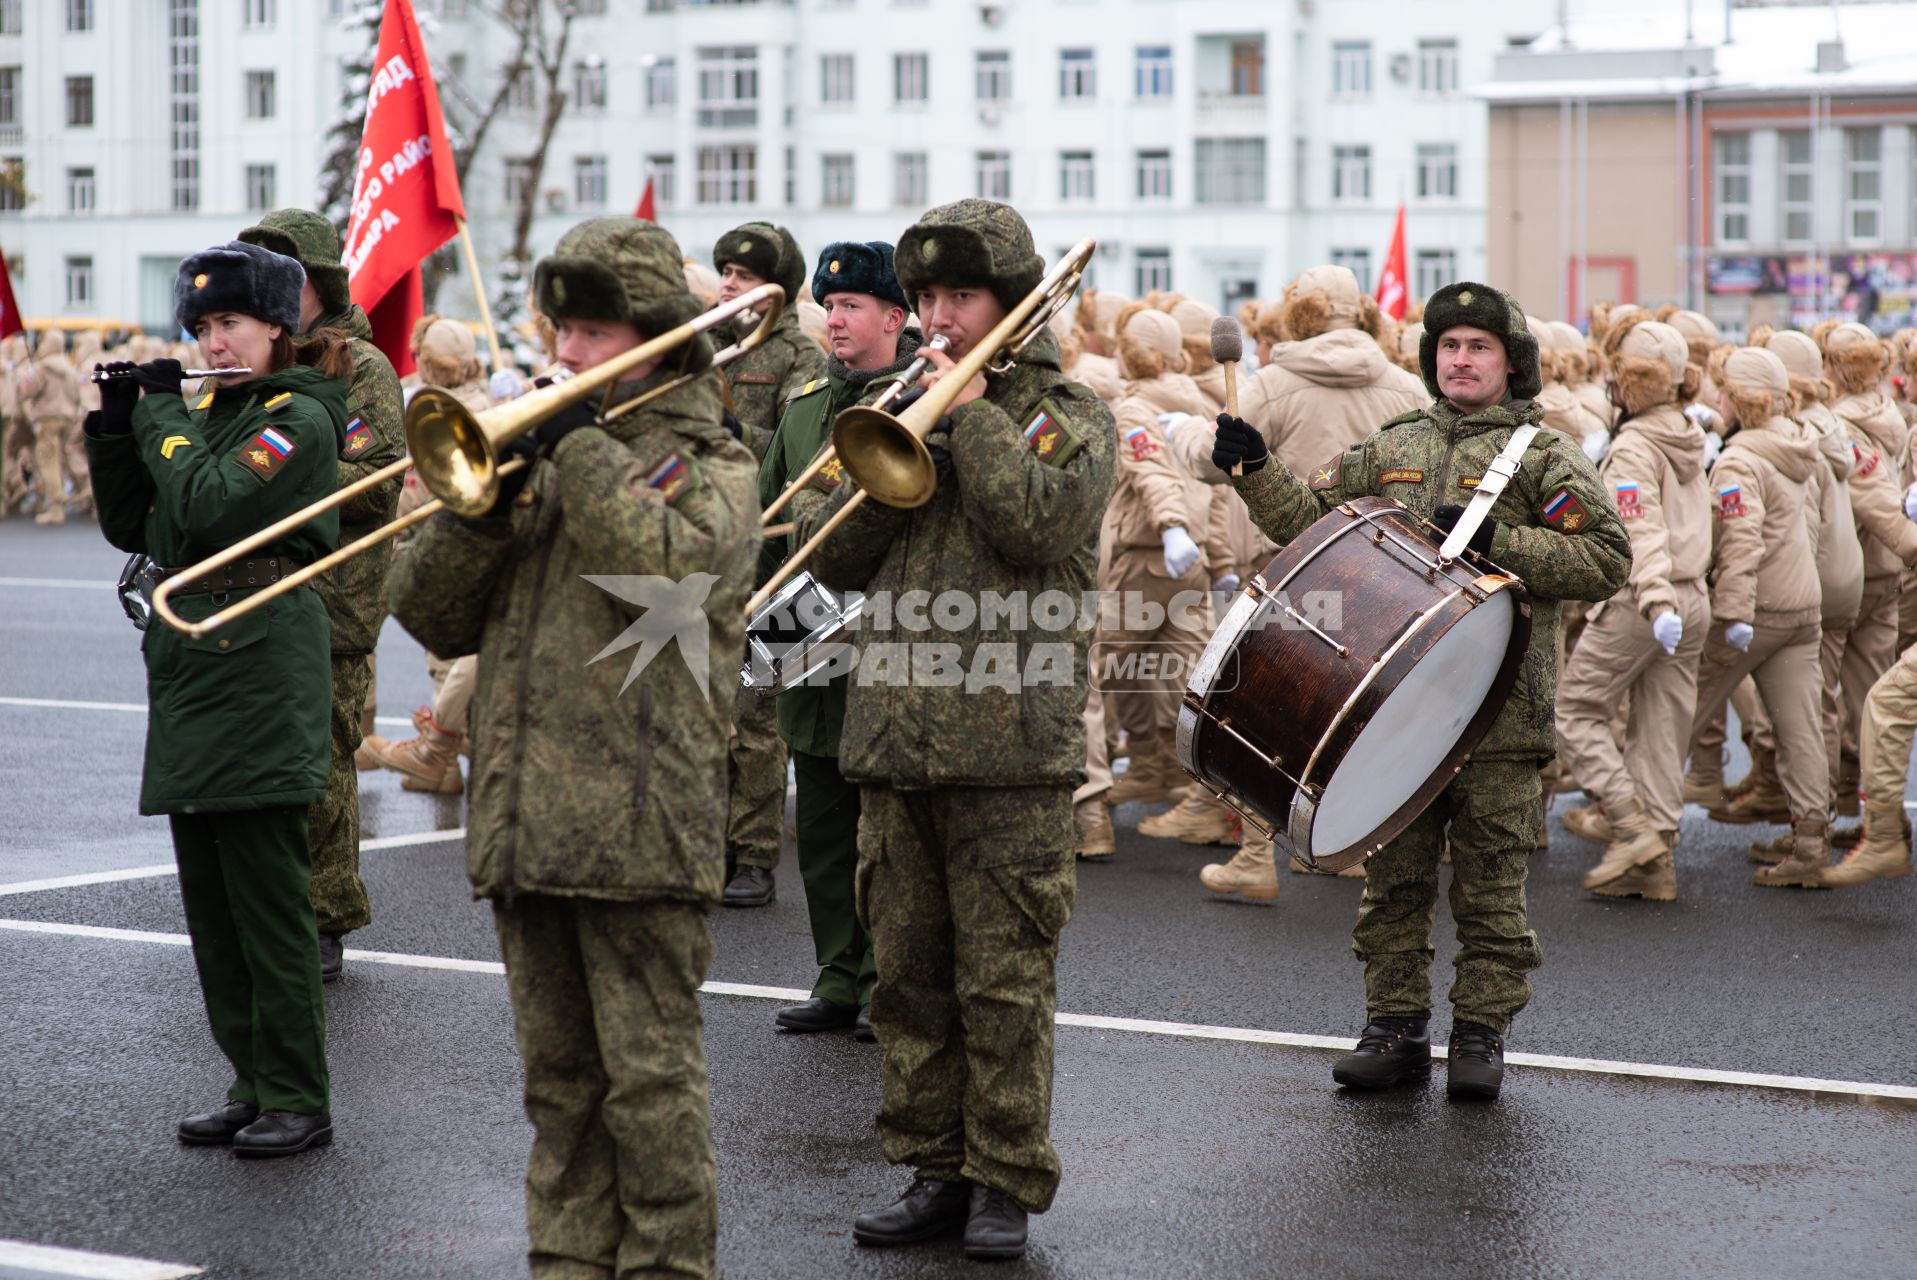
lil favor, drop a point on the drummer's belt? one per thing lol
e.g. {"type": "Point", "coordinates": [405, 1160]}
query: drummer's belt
{"type": "Point", "coordinates": [1496, 476]}
{"type": "Point", "coordinates": [241, 575]}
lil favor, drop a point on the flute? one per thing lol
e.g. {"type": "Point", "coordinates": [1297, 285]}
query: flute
{"type": "Point", "coordinates": [101, 375]}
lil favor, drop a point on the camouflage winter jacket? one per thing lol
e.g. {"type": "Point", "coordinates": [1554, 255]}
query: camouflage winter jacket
{"type": "Point", "coordinates": [581, 785]}
{"type": "Point", "coordinates": [765, 378]}
{"type": "Point", "coordinates": [988, 686]}
{"type": "Point", "coordinates": [1557, 528]}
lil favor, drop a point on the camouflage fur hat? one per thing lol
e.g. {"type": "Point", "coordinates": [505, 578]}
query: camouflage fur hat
{"type": "Point", "coordinates": [1480, 307]}
{"type": "Point", "coordinates": [310, 240]}
{"type": "Point", "coordinates": [238, 277]}
{"type": "Point", "coordinates": [623, 269]}
{"type": "Point", "coordinates": [768, 252]}
{"type": "Point", "coordinates": [851, 267]}
{"type": "Point", "coordinates": [970, 242]}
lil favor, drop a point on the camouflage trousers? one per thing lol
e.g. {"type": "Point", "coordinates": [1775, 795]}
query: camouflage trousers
{"type": "Point", "coordinates": [755, 808]}
{"type": "Point", "coordinates": [605, 998]}
{"type": "Point", "coordinates": [1491, 812]}
{"type": "Point", "coordinates": [339, 895]}
{"type": "Point", "coordinates": [965, 890]}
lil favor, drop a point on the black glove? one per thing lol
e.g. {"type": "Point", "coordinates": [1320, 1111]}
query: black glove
{"type": "Point", "coordinates": [524, 449]}
{"type": "Point", "coordinates": [117, 398]}
{"type": "Point", "coordinates": [159, 377]}
{"type": "Point", "coordinates": [547, 435]}
{"type": "Point", "coordinates": [935, 442]}
{"type": "Point", "coordinates": [1238, 442]}
{"type": "Point", "coordinates": [1447, 517]}
{"type": "Point", "coordinates": [732, 424]}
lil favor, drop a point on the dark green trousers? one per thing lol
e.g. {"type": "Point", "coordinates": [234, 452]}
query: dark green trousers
{"type": "Point", "coordinates": [339, 895]}
{"type": "Point", "coordinates": [245, 879]}
{"type": "Point", "coordinates": [828, 829]}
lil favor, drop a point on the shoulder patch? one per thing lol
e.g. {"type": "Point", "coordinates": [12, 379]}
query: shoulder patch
{"type": "Point", "coordinates": [1326, 477]}
{"type": "Point", "coordinates": [1563, 512]}
{"type": "Point", "coordinates": [1054, 440]}
{"type": "Point", "coordinates": [1401, 475]}
{"type": "Point", "coordinates": [1140, 442]}
{"type": "Point", "coordinates": [204, 401]}
{"type": "Point", "coordinates": [172, 445]}
{"type": "Point", "coordinates": [1404, 419]}
{"type": "Point", "coordinates": [267, 452]}
{"type": "Point", "coordinates": [672, 477]}
{"type": "Point", "coordinates": [1730, 501]}
{"type": "Point", "coordinates": [1865, 463]}
{"type": "Point", "coordinates": [1629, 506]}
{"type": "Point", "coordinates": [359, 438]}
{"type": "Point", "coordinates": [755, 380]}
{"type": "Point", "coordinates": [278, 400]}
{"type": "Point", "coordinates": [829, 476]}
{"type": "Point", "coordinates": [817, 384]}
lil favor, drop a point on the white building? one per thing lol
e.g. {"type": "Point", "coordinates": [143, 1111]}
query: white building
{"type": "Point", "coordinates": [1217, 147]}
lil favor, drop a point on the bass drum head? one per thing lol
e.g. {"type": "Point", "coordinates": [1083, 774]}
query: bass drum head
{"type": "Point", "coordinates": [1416, 728]}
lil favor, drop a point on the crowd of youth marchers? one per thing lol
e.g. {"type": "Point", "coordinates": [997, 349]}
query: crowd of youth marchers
{"type": "Point", "coordinates": [1697, 524]}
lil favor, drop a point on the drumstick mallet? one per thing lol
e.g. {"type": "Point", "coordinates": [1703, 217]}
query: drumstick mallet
{"type": "Point", "coordinates": [1228, 348]}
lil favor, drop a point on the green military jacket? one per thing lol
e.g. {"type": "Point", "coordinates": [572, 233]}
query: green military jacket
{"type": "Point", "coordinates": [237, 720]}
{"type": "Point", "coordinates": [1558, 530]}
{"type": "Point", "coordinates": [992, 692]}
{"type": "Point", "coordinates": [354, 592]}
{"type": "Point", "coordinates": [810, 716]}
{"type": "Point", "coordinates": [772, 373]}
{"type": "Point", "coordinates": [613, 585]}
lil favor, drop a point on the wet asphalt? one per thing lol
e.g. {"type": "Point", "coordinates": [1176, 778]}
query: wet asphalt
{"type": "Point", "coordinates": [1183, 1157]}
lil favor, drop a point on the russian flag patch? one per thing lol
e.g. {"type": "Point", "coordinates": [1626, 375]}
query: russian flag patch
{"type": "Point", "coordinates": [359, 438]}
{"type": "Point", "coordinates": [1137, 439]}
{"type": "Point", "coordinates": [267, 452]}
{"type": "Point", "coordinates": [1563, 512]}
{"type": "Point", "coordinates": [671, 477]}
{"type": "Point", "coordinates": [1730, 501]}
{"type": "Point", "coordinates": [1628, 504]}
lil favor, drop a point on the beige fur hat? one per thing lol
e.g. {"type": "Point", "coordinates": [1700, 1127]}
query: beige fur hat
{"type": "Point", "coordinates": [1858, 358]}
{"type": "Point", "coordinates": [1657, 342]}
{"type": "Point", "coordinates": [1149, 343]}
{"type": "Point", "coordinates": [449, 342]}
{"type": "Point", "coordinates": [1757, 370]}
{"type": "Point", "coordinates": [1799, 354]}
{"type": "Point", "coordinates": [1694, 324]}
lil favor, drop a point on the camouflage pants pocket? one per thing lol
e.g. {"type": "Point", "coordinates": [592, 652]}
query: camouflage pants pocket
{"type": "Point", "coordinates": [1043, 890]}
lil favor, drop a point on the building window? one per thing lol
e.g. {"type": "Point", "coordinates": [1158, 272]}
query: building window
{"type": "Point", "coordinates": [1356, 261]}
{"type": "Point", "coordinates": [994, 175]}
{"type": "Point", "coordinates": [1733, 188]}
{"type": "Point", "coordinates": [256, 13]}
{"type": "Point", "coordinates": [662, 84]}
{"type": "Point", "coordinates": [729, 88]}
{"type": "Point", "coordinates": [10, 17]}
{"type": "Point", "coordinates": [519, 179]}
{"type": "Point", "coordinates": [1230, 171]}
{"type": "Point", "coordinates": [1796, 182]}
{"type": "Point", "coordinates": [519, 91]}
{"type": "Point", "coordinates": [1864, 184]}
{"type": "Point", "coordinates": [1155, 177]}
{"type": "Point", "coordinates": [79, 191]}
{"type": "Point", "coordinates": [1437, 171]}
{"type": "Point", "coordinates": [791, 177]}
{"type": "Point", "coordinates": [9, 95]}
{"type": "Point", "coordinates": [1076, 177]}
{"type": "Point", "coordinates": [1077, 75]}
{"type": "Point", "coordinates": [1351, 69]}
{"type": "Point", "coordinates": [1248, 68]}
{"type": "Point", "coordinates": [80, 18]}
{"type": "Point", "coordinates": [589, 181]}
{"type": "Point", "coordinates": [1153, 78]}
{"type": "Point", "coordinates": [79, 101]}
{"type": "Point", "coordinates": [589, 84]}
{"type": "Point", "coordinates": [588, 8]}
{"type": "Point", "coordinates": [663, 173]}
{"type": "Point", "coordinates": [909, 77]}
{"type": "Point", "coordinates": [79, 283]}
{"type": "Point", "coordinates": [992, 74]}
{"type": "Point", "coordinates": [183, 104]}
{"type": "Point", "coordinates": [1154, 271]}
{"type": "Point", "coordinates": [262, 188]}
{"type": "Point", "coordinates": [835, 77]}
{"type": "Point", "coordinates": [1438, 67]}
{"type": "Point", "coordinates": [728, 175]}
{"type": "Point", "coordinates": [836, 181]}
{"type": "Point", "coordinates": [908, 179]}
{"type": "Point", "coordinates": [259, 95]}
{"type": "Point", "coordinates": [1435, 269]}
{"type": "Point", "coordinates": [13, 184]}
{"type": "Point", "coordinates": [1351, 174]}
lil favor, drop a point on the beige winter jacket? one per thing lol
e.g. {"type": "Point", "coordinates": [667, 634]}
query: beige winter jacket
{"type": "Point", "coordinates": [1765, 564]}
{"type": "Point", "coordinates": [1840, 556]}
{"type": "Point", "coordinates": [1655, 472]}
{"type": "Point", "coordinates": [1100, 373]}
{"type": "Point", "coordinates": [1565, 414]}
{"type": "Point", "coordinates": [1596, 403]}
{"type": "Point", "coordinates": [1154, 492]}
{"type": "Point", "coordinates": [49, 386]}
{"type": "Point", "coordinates": [1880, 446]}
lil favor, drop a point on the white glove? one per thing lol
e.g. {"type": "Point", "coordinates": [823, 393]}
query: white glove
{"type": "Point", "coordinates": [1713, 445]}
{"type": "Point", "coordinates": [1910, 502]}
{"type": "Point", "coordinates": [1703, 416]}
{"type": "Point", "coordinates": [1228, 583]}
{"type": "Point", "coordinates": [1173, 421]}
{"type": "Point", "coordinates": [1181, 553]}
{"type": "Point", "coordinates": [1669, 629]}
{"type": "Point", "coordinates": [1738, 636]}
{"type": "Point", "coordinates": [506, 385]}
{"type": "Point", "coordinates": [1595, 446]}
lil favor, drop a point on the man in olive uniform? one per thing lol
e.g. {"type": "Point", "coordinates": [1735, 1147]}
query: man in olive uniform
{"type": "Point", "coordinates": [1554, 527]}
{"type": "Point", "coordinates": [964, 730]}
{"type": "Point", "coordinates": [759, 385]}
{"type": "Point", "coordinates": [595, 809]}
{"type": "Point", "coordinates": [375, 437]}
{"type": "Point", "coordinates": [865, 321]}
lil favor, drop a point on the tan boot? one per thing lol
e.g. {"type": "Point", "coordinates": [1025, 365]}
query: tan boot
{"type": "Point", "coordinates": [1354, 872]}
{"type": "Point", "coordinates": [365, 756]}
{"type": "Point", "coordinates": [1808, 860]}
{"type": "Point", "coordinates": [1655, 881]}
{"type": "Point", "coordinates": [1771, 852]}
{"type": "Point", "coordinates": [429, 762]}
{"type": "Point", "coordinates": [1846, 794]}
{"type": "Point", "coordinates": [1763, 765]}
{"type": "Point", "coordinates": [1633, 844]}
{"type": "Point", "coordinates": [1096, 840]}
{"type": "Point", "coordinates": [1883, 855]}
{"type": "Point", "coordinates": [1588, 823]}
{"type": "Point", "coordinates": [1150, 776]}
{"type": "Point", "coordinates": [1762, 801]}
{"type": "Point", "coordinates": [1251, 873]}
{"type": "Point", "coordinates": [1704, 782]}
{"type": "Point", "coordinates": [1194, 820]}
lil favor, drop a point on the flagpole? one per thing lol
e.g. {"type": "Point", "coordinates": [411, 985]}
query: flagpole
{"type": "Point", "coordinates": [479, 292]}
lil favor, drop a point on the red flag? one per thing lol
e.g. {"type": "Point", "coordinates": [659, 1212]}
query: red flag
{"type": "Point", "coordinates": [406, 191]}
{"type": "Point", "coordinates": [1392, 290]}
{"type": "Point", "coordinates": [10, 321]}
{"type": "Point", "coordinates": [645, 209]}
{"type": "Point", "coordinates": [393, 317]}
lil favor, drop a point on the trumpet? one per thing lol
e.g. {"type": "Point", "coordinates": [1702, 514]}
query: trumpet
{"type": "Point", "coordinates": [457, 453]}
{"type": "Point", "coordinates": [102, 375]}
{"type": "Point", "coordinates": [886, 455]}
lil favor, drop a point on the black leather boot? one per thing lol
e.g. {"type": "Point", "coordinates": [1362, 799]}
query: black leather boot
{"type": "Point", "coordinates": [928, 1208]}
{"type": "Point", "coordinates": [1391, 1049]}
{"type": "Point", "coordinates": [862, 1028]}
{"type": "Point", "coordinates": [749, 887]}
{"type": "Point", "coordinates": [996, 1227]}
{"type": "Point", "coordinates": [332, 957]}
{"type": "Point", "coordinates": [216, 1128]}
{"type": "Point", "coordinates": [1475, 1062]}
{"type": "Point", "coordinates": [283, 1133]}
{"type": "Point", "coordinates": [817, 1014]}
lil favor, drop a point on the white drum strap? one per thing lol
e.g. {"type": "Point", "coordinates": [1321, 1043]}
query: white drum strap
{"type": "Point", "coordinates": [1498, 475]}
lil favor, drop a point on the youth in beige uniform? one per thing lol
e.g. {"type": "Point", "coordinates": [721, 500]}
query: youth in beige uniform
{"type": "Point", "coordinates": [1576, 371]}
{"type": "Point", "coordinates": [50, 402]}
{"type": "Point", "coordinates": [1890, 718]}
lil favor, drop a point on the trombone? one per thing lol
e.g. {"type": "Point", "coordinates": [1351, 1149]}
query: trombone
{"type": "Point", "coordinates": [457, 453]}
{"type": "Point", "coordinates": [885, 454]}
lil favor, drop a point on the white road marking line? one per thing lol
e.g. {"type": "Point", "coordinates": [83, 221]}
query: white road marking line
{"type": "Point", "coordinates": [1094, 1022]}
{"type": "Point", "coordinates": [168, 868]}
{"type": "Point", "coordinates": [62, 584]}
{"type": "Point", "coordinates": [88, 1266]}
{"type": "Point", "coordinates": [68, 704]}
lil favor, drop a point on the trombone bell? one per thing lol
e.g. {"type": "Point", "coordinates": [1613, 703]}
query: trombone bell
{"type": "Point", "coordinates": [456, 459]}
{"type": "Point", "coordinates": [885, 456]}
